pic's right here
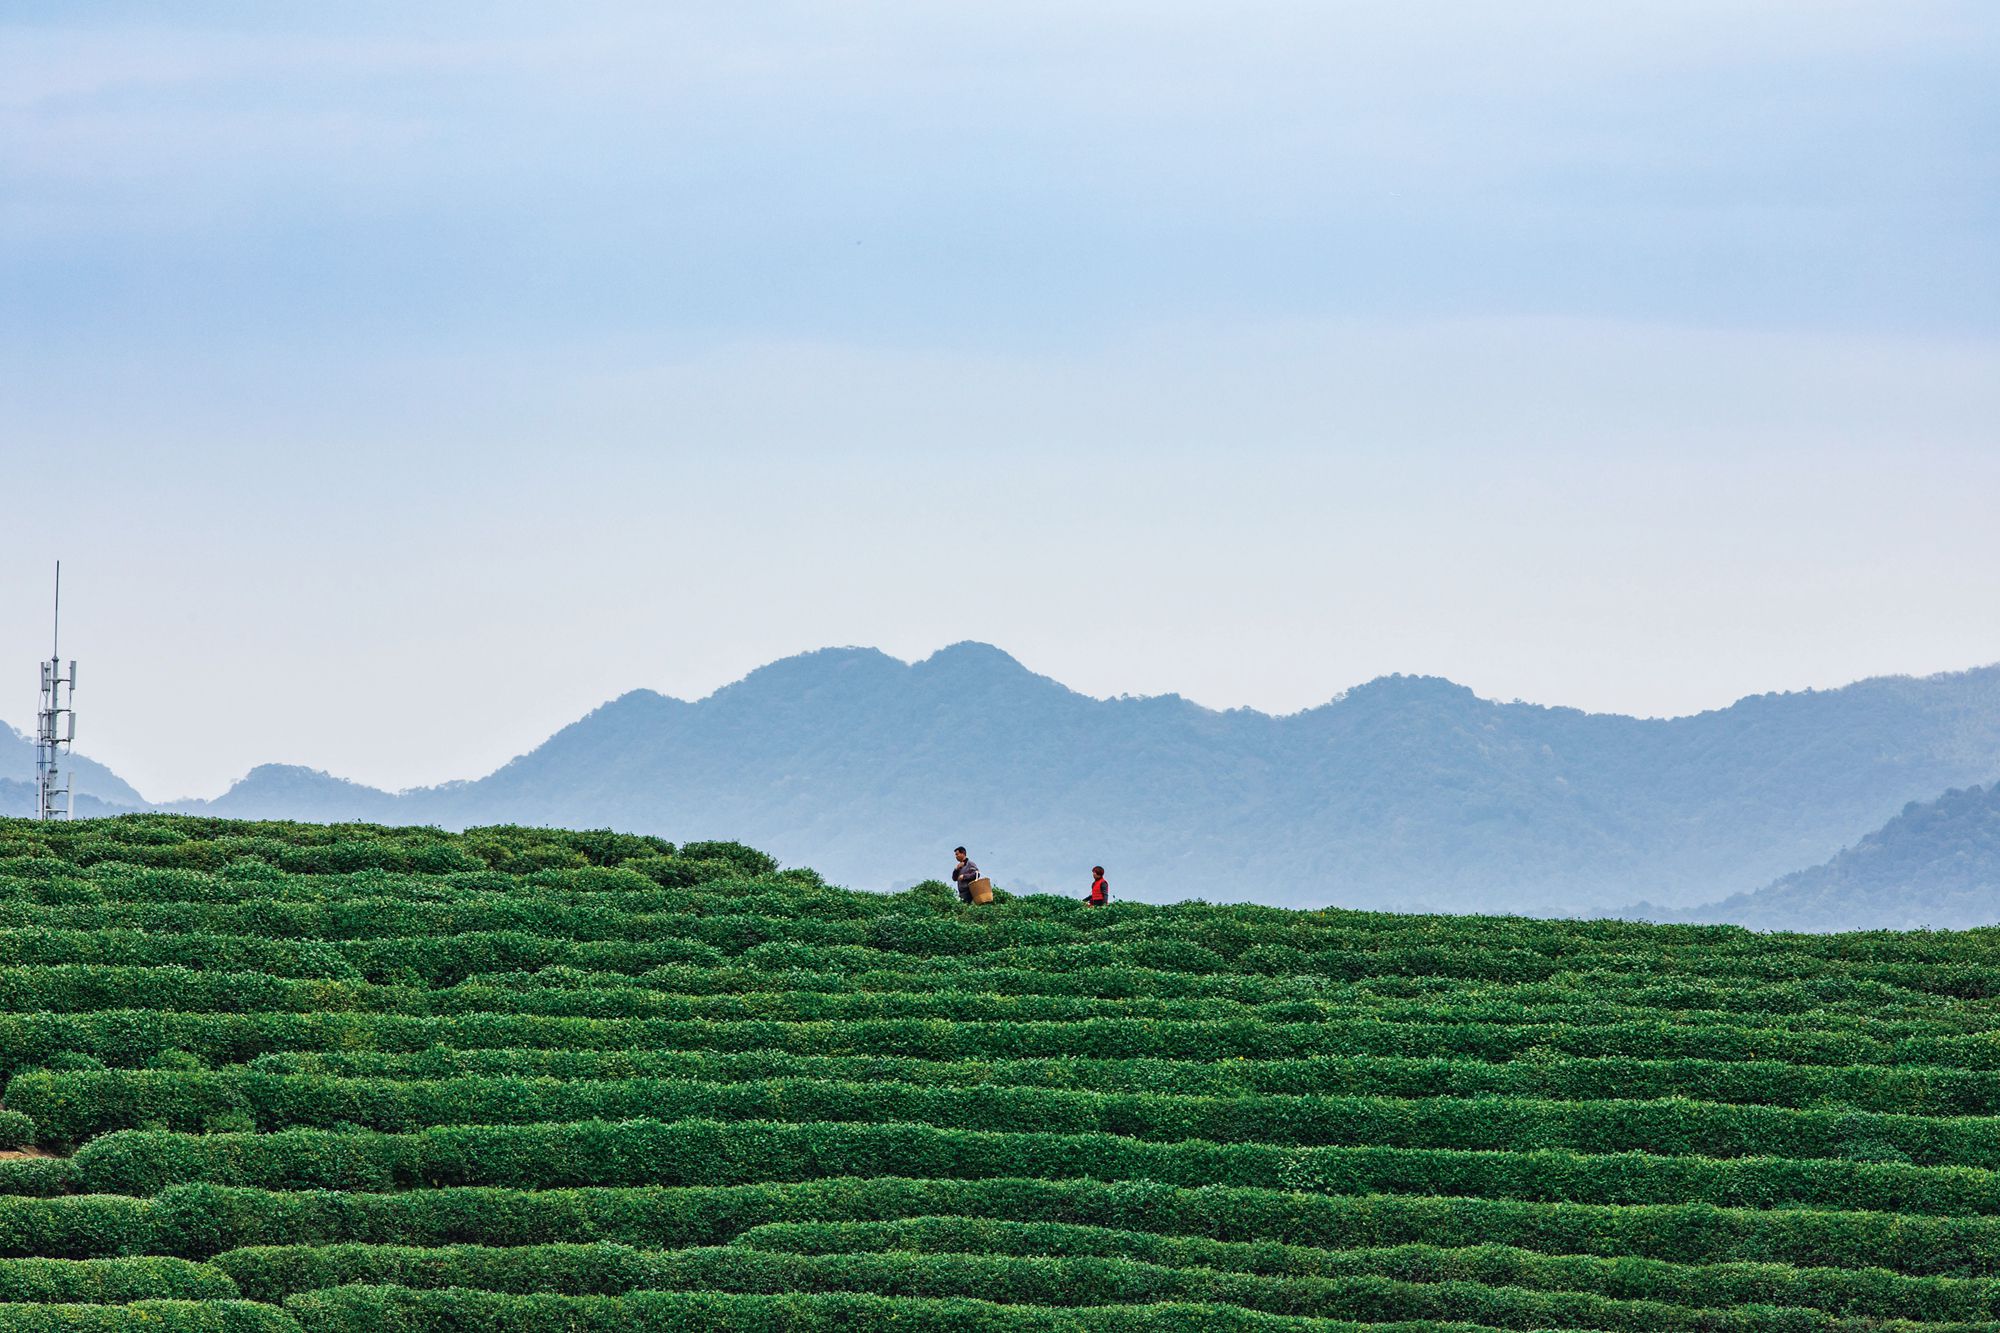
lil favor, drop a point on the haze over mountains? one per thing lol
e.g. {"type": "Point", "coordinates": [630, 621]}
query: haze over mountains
{"type": "Point", "coordinates": [93, 781]}
{"type": "Point", "coordinates": [1408, 793]}
{"type": "Point", "coordinates": [1937, 864]}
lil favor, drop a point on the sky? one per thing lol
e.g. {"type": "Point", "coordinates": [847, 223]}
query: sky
{"type": "Point", "coordinates": [397, 383]}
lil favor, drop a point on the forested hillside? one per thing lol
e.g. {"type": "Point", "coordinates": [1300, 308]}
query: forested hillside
{"type": "Point", "coordinates": [323, 1079]}
{"type": "Point", "coordinates": [1407, 793]}
{"type": "Point", "coordinates": [1935, 864]}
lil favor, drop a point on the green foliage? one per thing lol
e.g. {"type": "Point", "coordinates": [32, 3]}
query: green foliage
{"type": "Point", "coordinates": [1872, 1292]}
{"type": "Point", "coordinates": [637, 1152]}
{"type": "Point", "coordinates": [1067, 1280]}
{"type": "Point", "coordinates": [81, 1227]}
{"type": "Point", "coordinates": [199, 1221]}
{"type": "Point", "coordinates": [361, 1309]}
{"type": "Point", "coordinates": [1919, 1089]}
{"type": "Point", "coordinates": [38, 1177]}
{"type": "Point", "coordinates": [343, 1077]}
{"type": "Point", "coordinates": [111, 1281]}
{"type": "Point", "coordinates": [163, 1316]}
{"type": "Point", "coordinates": [75, 1106]}
{"type": "Point", "coordinates": [747, 860]}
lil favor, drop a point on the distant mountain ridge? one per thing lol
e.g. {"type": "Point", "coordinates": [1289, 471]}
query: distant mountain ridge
{"type": "Point", "coordinates": [1935, 865]}
{"type": "Point", "coordinates": [88, 777]}
{"type": "Point", "coordinates": [17, 799]}
{"type": "Point", "coordinates": [1406, 793]}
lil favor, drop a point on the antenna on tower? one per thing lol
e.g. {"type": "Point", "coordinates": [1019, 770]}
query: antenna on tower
{"type": "Point", "coordinates": [55, 725]}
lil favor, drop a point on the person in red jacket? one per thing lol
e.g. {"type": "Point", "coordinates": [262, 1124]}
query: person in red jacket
{"type": "Point", "coordinates": [1100, 888]}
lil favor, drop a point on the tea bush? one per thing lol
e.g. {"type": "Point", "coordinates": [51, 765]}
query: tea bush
{"type": "Point", "coordinates": [264, 1076]}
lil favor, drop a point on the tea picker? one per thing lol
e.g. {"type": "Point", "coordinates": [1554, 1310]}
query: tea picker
{"type": "Point", "coordinates": [973, 887]}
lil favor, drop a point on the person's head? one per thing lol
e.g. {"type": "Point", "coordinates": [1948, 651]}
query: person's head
{"type": "Point", "coordinates": [958, 852]}
{"type": "Point", "coordinates": [1097, 872]}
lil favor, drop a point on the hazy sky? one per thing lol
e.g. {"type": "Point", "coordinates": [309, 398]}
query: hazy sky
{"type": "Point", "coordinates": [397, 382]}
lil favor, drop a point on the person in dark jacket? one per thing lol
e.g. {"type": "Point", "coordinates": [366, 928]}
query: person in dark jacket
{"type": "Point", "coordinates": [964, 874]}
{"type": "Point", "coordinates": [1100, 888]}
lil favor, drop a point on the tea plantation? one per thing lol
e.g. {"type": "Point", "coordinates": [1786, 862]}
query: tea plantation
{"type": "Point", "coordinates": [344, 1078]}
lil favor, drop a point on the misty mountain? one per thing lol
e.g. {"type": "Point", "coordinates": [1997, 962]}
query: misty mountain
{"type": "Point", "coordinates": [1406, 793]}
{"type": "Point", "coordinates": [87, 776]}
{"type": "Point", "coordinates": [17, 799]}
{"type": "Point", "coordinates": [290, 787]}
{"type": "Point", "coordinates": [1936, 864]}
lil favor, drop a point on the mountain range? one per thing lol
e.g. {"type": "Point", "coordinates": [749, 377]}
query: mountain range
{"type": "Point", "coordinates": [1408, 793]}
{"type": "Point", "coordinates": [1935, 865]}
{"type": "Point", "coordinates": [93, 783]}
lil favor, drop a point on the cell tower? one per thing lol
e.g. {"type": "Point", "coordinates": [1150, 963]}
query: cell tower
{"type": "Point", "coordinates": [55, 726]}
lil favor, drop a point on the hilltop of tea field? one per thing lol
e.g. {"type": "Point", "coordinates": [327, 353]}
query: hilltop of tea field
{"type": "Point", "coordinates": [337, 1079]}
{"type": "Point", "coordinates": [1406, 793]}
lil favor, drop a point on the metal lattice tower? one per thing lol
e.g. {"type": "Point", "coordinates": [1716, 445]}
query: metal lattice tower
{"type": "Point", "coordinates": [55, 725]}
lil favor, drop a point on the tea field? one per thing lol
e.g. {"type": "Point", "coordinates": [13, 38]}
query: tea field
{"type": "Point", "coordinates": [343, 1078]}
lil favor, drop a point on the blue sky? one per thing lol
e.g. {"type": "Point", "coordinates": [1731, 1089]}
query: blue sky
{"type": "Point", "coordinates": [455, 367]}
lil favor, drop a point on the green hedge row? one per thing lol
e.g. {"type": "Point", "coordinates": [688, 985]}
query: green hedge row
{"type": "Point", "coordinates": [1075, 1280]}
{"type": "Point", "coordinates": [402, 1310]}
{"type": "Point", "coordinates": [805, 943]}
{"type": "Point", "coordinates": [1842, 1291]}
{"type": "Point", "coordinates": [907, 923]}
{"type": "Point", "coordinates": [789, 914]}
{"type": "Point", "coordinates": [369, 918]}
{"type": "Point", "coordinates": [84, 987]}
{"type": "Point", "coordinates": [790, 896]}
{"type": "Point", "coordinates": [1914, 1091]}
{"type": "Point", "coordinates": [891, 943]}
{"type": "Point", "coordinates": [112, 1281]}
{"type": "Point", "coordinates": [131, 1037]}
{"type": "Point", "coordinates": [699, 1152]}
{"type": "Point", "coordinates": [820, 940]}
{"type": "Point", "coordinates": [1290, 1029]}
{"type": "Point", "coordinates": [427, 961]}
{"type": "Point", "coordinates": [90, 1226]}
{"type": "Point", "coordinates": [692, 967]}
{"type": "Point", "coordinates": [38, 1177]}
{"type": "Point", "coordinates": [517, 851]}
{"type": "Point", "coordinates": [763, 970]}
{"type": "Point", "coordinates": [199, 1221]}
{"type": "Point", "coordinates": [1616, 994]}
{"type": "Point", "coordinates": [1293, 998]}
{"type": "Point", "coordinates": [377, 848]}
{"type": "Point", "coordinates": [207, 844]}
{"type": "Point", "coordinates": [72, 1106]}
{"type": "Point", "coordinates": [163, 1316]}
